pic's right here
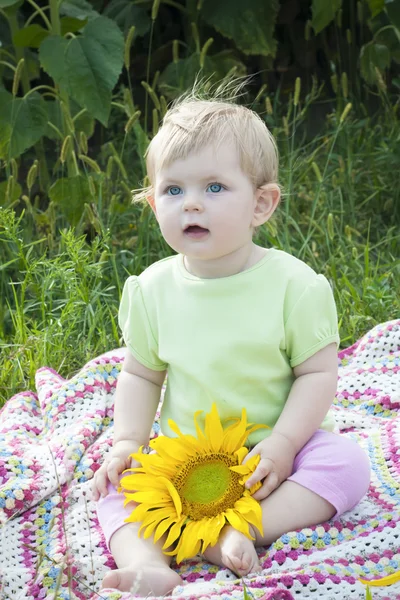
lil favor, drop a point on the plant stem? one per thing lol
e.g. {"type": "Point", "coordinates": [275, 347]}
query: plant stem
{"type": "Point", "coordinates": [55, 18]}
{"type": "Point", "coordinates": [56, 30]}
{"type": "Point", "coordinates": [41, 12]}
{"type": "Point", "coordinates": [44, 177]}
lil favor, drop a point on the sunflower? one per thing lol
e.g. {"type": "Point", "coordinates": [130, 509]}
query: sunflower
{"type": "Point", "coordinates": [189, 488]}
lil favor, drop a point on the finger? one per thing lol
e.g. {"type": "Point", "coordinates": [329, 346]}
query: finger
{"type": "Point", "coordinates": [263, 469]}
{"type": "Point", "coordinates": [248, 456]}
{"type": "Point", "coordinates": [269, 485]}
{"type": "Point", "coordinates": [95, 491]}
{"type": "Point", "coordinates": [102, 482]}
{"type": "Point", "coordinates": [114, 471]}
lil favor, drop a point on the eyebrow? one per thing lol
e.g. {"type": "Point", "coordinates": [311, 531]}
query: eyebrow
{"type": "Point", "coordinates": [212, 177]}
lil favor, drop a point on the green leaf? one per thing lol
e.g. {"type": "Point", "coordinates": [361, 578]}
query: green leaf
{"type": "Point", "coordinates": [87, 67]}
{"type": "Point", "coordinates": [22, 123]}
{"type": "Point", "coordinates": [83, 123]}
{"type": "Point", "coordinates": [371, 56]}
{"type": "Point", "coordinates": [11, 7]}
{"type": "Point", "coordinates": [79, 9]}
{"type": "Point", "coordinates": [70, 194]}
{"type": "Point", "coordinates": [323, 12]}
{"type": "Point", "coordinates": [250, 24]}
{"type": "Point", "coordinates": [368, 595]}
{"type": "Point", "coordinates": [3, 189]}
{"type": "Point", "coordinates": [389, 37]}
{"type": "Point", "coordinates": [246, 595]}
{"type": "Point", "coordinates": [71, 25]}
{"type": "Point", "coordinates": [126, 14]}
{"type": "Point", "coordinates": [393, 11]}
{"type": "Point", "coordinates": [376, 6]}
{"type": "Point", "coordinates": [180, 76]}
{"type": "Point", "coordinates": [30, 37]}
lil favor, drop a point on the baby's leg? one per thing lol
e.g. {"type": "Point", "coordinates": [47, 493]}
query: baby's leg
{"type": "Point", "coordinates": [142, 565]}
{"type": "Point", "coordinates": [289, 507]}
{"type": "Point", "coordinates": [143, 568]}
{"type": "Point", "coordinates": [330, 475]}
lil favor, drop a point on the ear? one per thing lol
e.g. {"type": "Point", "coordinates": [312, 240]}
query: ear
{"type": "Point", "coordinates": [266, 200]}
{"type": "Point", "coordinates": [150, 200]}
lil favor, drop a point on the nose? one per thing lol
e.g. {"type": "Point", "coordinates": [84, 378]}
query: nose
{"type": "Point", "coordinates": [192, 202]}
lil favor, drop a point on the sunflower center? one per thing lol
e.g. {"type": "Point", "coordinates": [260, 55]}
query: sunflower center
{"type": "Point", "coordinates": [206, 483]}
{"type": "Point", "coordinates": [206, 486]}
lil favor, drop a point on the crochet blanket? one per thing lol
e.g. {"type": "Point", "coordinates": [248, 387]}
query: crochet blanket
{"type": "Point", "coordinates": [53, 440]}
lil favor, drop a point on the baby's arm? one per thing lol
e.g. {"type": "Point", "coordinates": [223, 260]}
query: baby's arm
{"type": "Point", "coordinates": [310, 398]}
{"type": "Point", "coordinates": [308, 402]}
{"type": "Point", "coordinates": [136, 401]}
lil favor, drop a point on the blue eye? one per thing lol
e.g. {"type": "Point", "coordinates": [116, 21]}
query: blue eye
{"type": "Point", "coordinates": [174, 190]}
{"type": "Point", "coordinates": [215, 188]}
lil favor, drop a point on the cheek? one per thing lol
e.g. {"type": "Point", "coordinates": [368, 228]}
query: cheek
{"type": "Point", "coordinates": [168, 223]}
{"type": "Point", "coordinates": [237, 216]}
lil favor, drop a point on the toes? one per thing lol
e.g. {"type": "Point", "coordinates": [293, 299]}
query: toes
{"type": "Point", "coordinates": [246, 563]}
{"type": "Point", "coordinates": [235, 564]}
{"type": "Point", "coordinates": [242, 564]}
{"type": "Point", "coordinates": [111, 580]}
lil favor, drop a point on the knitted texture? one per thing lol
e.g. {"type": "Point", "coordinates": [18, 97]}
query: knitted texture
{"type": "Point", "coordinates": [54, 439]}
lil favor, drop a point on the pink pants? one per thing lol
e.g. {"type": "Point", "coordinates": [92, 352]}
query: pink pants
{"type": "Point", "coordinates": [330, 465]}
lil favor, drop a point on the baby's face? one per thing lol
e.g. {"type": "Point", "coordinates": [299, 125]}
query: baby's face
{"type": "Point", "coordinates": [205, 203]}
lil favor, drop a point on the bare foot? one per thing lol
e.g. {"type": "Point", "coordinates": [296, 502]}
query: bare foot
{"type": "Point", "coordinates": [235, 552]}
{"type": "Point", "coordinates": [143, 580]}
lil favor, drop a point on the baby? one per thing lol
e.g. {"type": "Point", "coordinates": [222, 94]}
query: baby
{"type": "Point", "coordinates": [232, 323]}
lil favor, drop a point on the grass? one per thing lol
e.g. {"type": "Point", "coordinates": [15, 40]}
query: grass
{"type": "Point", "coordinates": [340, 213]}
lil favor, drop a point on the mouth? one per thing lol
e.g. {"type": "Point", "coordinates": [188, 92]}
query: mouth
{"type": "Point", "coordinates": [195, 231]}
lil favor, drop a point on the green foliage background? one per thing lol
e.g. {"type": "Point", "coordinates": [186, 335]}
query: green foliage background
{"type": "Point", "coordinates": [84, 86]}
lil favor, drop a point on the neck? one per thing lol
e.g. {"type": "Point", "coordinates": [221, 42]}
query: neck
{"type": "Point", "coordinates": [241, 259]}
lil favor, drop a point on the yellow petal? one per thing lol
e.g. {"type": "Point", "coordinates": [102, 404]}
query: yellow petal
{"type": "Point", "coordinates": [203, 442]}
{"type": "Point", "coordinates": [136, 482]}
{"type": "Point", "coordinates": [251, 511]}
{"type": "Point", "coordinates": [241, 469]}
{"type": "Point", "coordinates": [211, 531]}
{"type": "Point", "coordinates": [159, 514]}
{"type": "Point", "coordinates": [150, 520]}
{"type": "Point", "coordinates": [213, 428]}
{"type": "Point", "coordinates": [174, 496]}
{"type": "Point", "coordinates": [252, 462]}
{"type": "Point", "coordinates": [235, 436]}
{"type": "Point", "coordinates": [174, 533]}
{"type": "Point", "coordinates": [384, 581]}
{"type": "Point", "coordinates": [162, 528]}
{"type": "Point", "coordinates": [189, 544]}
{"type": "Point", "coordinates": [252, 428]}
{"type": "Point", "coordinates": [152, 464]}
{"type": "Point", "coordinates": [128, 498]}
{"type": "Point", "coordinates": [188, 439]}
{"type": "Point", "coordinates": [175, 428]}
{"type": "Point", "coordinates": [138, 513]}
{"type": "Point", "coordinates": [149, 527]}
{"type": "Point", "coordinates": [170, 448]}
{"type": "Point", "coordinates": [151, 498]}
{"type": "Point", "coordinates": [241, 454]}
{"type": "Point", "coordinates": [237, 521]}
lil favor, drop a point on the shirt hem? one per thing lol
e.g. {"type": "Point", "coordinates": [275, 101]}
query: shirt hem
{"type": "Point", "coordinates": [297, 360]}
{"type": "Point", "coordinates": [145, 362]}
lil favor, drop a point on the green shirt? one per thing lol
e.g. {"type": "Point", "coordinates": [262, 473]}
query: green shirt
{"type": "Point", "coordinates": [232, 340]}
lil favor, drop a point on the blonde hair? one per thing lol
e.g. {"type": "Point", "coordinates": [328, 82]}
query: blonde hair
{"type": "Point", "coordinates": [197, 120]}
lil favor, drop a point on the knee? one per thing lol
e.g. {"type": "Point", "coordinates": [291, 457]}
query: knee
{"type": "Point", "coordinates": [356, 475]}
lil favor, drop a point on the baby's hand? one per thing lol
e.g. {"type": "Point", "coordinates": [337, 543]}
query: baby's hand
{"type": "Point", "coordinates": [277, 455]}
{"type": "Point", "coordinates": [111, 469]}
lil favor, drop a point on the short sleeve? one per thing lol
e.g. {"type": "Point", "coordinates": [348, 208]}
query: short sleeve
{"type": "Point", "coordinates": [312, 321]}
{"type": "Point", "coordinates": [135, 325]}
